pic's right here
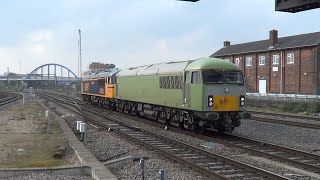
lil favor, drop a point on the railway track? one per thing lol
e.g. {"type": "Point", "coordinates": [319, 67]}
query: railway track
{"type": "Point", "coordinates": [6, 98]}
{"type": "Point", "coordinates": [297, 158]}
{"type": "Point", "coordinates": [209, 164]}
{"type": "Point", "coordinates": [274, 119]}
{"type": "Point", "coordinates": [314, 123]}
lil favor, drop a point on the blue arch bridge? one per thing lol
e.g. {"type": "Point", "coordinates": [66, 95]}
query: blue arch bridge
{"type": "Point", "coordinates": [45, 75]}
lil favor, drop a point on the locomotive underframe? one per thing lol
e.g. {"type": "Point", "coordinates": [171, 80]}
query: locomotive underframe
{"type": "Point", "coordinates": [192, 120]}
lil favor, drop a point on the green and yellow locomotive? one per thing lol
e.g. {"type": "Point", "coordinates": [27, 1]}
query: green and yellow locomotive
{"type": "Point", "coordinates": [204, 93]}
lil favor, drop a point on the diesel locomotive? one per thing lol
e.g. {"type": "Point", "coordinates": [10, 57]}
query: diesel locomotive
{"type": "Point", "coordinates": [206, 93]}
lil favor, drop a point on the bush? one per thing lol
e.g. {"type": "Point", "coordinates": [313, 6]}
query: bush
{"type": "Point", "coordinates": [286, 106]}
{"type": "Point", "coordinates": [298, 108]}
{"type": "Point", "coordinates": [314, 107]}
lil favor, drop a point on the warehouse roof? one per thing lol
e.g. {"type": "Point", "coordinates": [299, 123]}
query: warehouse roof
{"type": "Point", "coordinates": [301, 40]}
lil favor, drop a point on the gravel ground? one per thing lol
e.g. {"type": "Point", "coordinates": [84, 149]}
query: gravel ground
{"type": "Point", "coordinates": [43, 176]}
{"type": "Point", "coordinates": [239, 154]}
{"type": "Point", "coordinates": [107, 145]}
{"type": "Point", "coordinates": [114, 145]}
{"type": "Point", "coordinates": [23, 144]}
{"type": "Point", "coordinates": [303, 120]}
{"type": "Point", "coordinates": [295, 137]}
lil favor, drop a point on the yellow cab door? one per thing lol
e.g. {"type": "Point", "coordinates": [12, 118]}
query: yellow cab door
{"type": "Point", "coordinates": [110, 87]}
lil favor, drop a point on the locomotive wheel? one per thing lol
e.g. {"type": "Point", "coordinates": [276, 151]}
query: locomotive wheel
{"type": "Point", "coordinates": [162, 117]}
{"type": "Point", "coordinates": [175, 120]}
{"type": "Point", "coordinates": [192, 124]}
{"type": "Point", "coordinates": [133, 110]}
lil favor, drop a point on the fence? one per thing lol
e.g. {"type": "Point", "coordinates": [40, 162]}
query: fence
{"type": "Point", "coordinates": [283, 97]}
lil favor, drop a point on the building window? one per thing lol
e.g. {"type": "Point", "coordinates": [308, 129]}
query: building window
{"type": "Point", "coordinates": [248, 61]}
{"type": "Point", "coordinates": [290, 58]}
{"type": "Point", "coordinates": [275, 59]}
{"type": "Point", "coordinates": [262, 60]}
{"type": "Point", "coordinates": [227, 60]}
{"type": "Point", "coordinates": [237, 62]}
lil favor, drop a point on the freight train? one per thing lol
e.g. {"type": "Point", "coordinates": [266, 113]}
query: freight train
{"type": "Point", "coordinates": [206, 93]}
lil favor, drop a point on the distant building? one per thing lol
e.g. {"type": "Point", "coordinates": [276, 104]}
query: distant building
{"type": "Point", "coordinates": [9, 73]}
{"type": "Point", "coordinates": [97, 67]}
{"type": "Point", "coordinates": [278, 65]}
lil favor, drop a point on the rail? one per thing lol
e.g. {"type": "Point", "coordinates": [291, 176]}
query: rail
{"type": "Point", "coordinates": [6, 98]}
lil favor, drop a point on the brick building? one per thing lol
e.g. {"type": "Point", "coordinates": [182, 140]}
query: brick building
{"type": "Point", "coordinates": [278, 65]}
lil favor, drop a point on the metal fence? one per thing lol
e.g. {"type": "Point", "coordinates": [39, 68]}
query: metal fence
{"type": "Point", "coordinates": [283, 97]}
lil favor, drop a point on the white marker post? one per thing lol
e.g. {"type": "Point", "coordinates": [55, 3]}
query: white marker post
{"type": "Point", "coordinates": [78, 125]}
{"type": "Point", "coordinates": [82, 131]}
{"type": "Point", "coordinates": [47, 118]}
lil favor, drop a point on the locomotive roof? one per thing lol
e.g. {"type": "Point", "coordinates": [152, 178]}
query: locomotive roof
{"type": "Point", "coordinates": [101, 74]}
{"type": "Point", "coordinates": [211, 63]}
{"type": "Point", "coordinates": [161, 68]}
{"type": "Point", "coordinates": [178, 67]}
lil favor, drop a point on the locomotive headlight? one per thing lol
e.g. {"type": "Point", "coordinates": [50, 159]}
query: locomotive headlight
{"type": "Point", "coordinates": [242, 101]}
{"type": "Point", "coordinates": [210, 100]}
{"type": "Point", "coordinates": [226, 90]}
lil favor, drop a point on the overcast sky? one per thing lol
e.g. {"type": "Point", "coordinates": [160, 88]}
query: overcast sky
{"type": "Point", "coordinates": [134, 32]}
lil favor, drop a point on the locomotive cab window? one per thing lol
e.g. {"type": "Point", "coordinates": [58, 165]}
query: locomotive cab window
{"type": "Point", "coordinates": [234, 77]}
{"type": "Point", "coordinates": [112, 80]}
{"type": "Point", "coordinates": [195, 79]}
{"type": "Point", "coordinates": [100, 82]}
{"type": "Point", "coordinates": [213, 77]}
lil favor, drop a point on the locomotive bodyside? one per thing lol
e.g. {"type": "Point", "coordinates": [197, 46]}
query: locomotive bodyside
{"type": "Point", "coordinates": [94, 87]}
{"type": "Point", "coordinates": [99, 88]}
{"type": "Point", "coordinates": [156, 84]}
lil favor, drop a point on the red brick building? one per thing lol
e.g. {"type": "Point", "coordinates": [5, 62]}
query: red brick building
{"type": "Point", "coordinates": [278, 65]}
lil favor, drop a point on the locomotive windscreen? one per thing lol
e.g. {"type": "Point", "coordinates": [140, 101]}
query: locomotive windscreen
{"type": "Point", "coordinates": [234, 77]}
{"type": "Point", "coordinates": [220, 77]}
{"type": "Point", "coordinates": [213, 77]}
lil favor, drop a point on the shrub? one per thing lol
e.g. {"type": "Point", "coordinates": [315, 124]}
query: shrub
{"type": "Point", "coordinates": [298, 108]}
{"type": "Point", "coordinates": [314, 107]}
{"type": "Point", "coordinates": [286, 106]}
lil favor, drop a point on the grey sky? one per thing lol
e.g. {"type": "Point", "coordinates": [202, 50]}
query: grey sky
{"type": "Point", "coordinates": [135, 32]}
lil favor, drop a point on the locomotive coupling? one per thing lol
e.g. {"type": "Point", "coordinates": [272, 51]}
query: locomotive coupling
{"type": "Point", "coordinates": [212, 116]}
{"type": "Point", "coordinates": [244, 115]}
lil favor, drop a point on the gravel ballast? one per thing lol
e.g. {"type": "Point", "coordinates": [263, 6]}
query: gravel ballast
{"type": "Point", "coordinates": [107, 145]}
{"type": "Point", "coordinates": [44, 176]}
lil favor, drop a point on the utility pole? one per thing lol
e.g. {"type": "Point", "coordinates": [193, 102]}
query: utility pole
{"type": "Point", "coordinates": [79, 57]}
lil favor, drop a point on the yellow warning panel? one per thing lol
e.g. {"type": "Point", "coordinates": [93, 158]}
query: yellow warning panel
{"type": "Point", "coordinates": [110, 90]}
{"type": "Point", "coordinates": [225, 103]}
